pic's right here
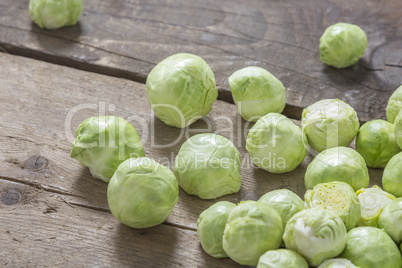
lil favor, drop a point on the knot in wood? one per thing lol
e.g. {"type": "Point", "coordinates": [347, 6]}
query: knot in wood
{"type": "Point", "coordinates": [35, 163]}
{"type": "Point", "coordinates": [10, 197]}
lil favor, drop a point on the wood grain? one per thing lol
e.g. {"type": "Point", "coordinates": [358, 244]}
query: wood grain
{"type": "Point", "coordinates": [37, 101]}
{"type": "Point", "coordinates": [126, 38]}
{"type": "Point", "coordinates": [41, 229]}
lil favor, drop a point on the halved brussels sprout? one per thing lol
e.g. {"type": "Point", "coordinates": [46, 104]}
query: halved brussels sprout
{"type": "Point", "coordinates": [338, 197]}
{"type": "Point", "coordinates": [285, 202]}
{"type": "Point", "coordinates": [392, 176]}
{"type": "Point", "coordinates": [142, 193]}
{"type": "Point", "coordinates": [282, 258]}
{"type": "Point", "coordinates": [391, 220]}
{"type": "Point", "coordinates": [257, 92]}
{"type": "Point", "coordinates": [371, 247]}
{"type": "Point", "coordinates": [208, 165]}
{"type": "Point", "coordinates": [337, 164]}
{"type": "Point", "coordinates": [372, 200]}
{"type": "Point", "coordinates": [102, 143]}
{"type": "Point", "coordinates": [210, 227]}
{"type": "Point", "coordinates": [252, 229]}
{"type": "Point", "coordinates": [317, 234]}
{"type": "Point", "coordinates": [276, 144]}
{"type": "Point", "coordinates": [394, 104]}
{"type": "Point", "coordinates": [329, 123]}
{"type": "Point", "coordinates": [376, 142]}
{"type": "Point", "coordinates": [181, 89]}
{"type": "Point", "coordinates": [51, 14]}
{"type": "Point", "coordinates": [337, 263]}
{"type": "Point", "coordinates": [342, 45]}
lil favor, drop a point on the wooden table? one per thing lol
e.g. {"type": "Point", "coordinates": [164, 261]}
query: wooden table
{"type": "Point", "coordinates": [53, 213]}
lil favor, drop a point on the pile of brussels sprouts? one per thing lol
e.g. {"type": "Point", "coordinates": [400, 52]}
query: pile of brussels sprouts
{"type": "Point", "coordinates": [341, 222]}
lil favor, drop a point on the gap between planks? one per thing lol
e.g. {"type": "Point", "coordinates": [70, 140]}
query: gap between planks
{"type": "Point", "coordinates": [224, 94]}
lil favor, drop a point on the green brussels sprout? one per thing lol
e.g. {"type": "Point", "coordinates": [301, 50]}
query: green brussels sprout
{"type": "Point", "coordinates": [252, 229]}
{"type": "Point", "coordinates": [285, 202]}
{"type": "Point", "coordinates": [371, 247]}
{"type": "Point", "coordinates": [392, 176]}
{"type": "Point", "coordinates": [282, 258]}
{"type": "Point", "coordinates": [398, 129]}
{"type": "Point", "coordinates": [276, 144]}
{"type": "Point", "coordinates": [53, 14]}
{"type": "Point", "coordinates": [372, 200]}
{"type": "Point", "coordinates": [337, 164]}
{"type": "Point", "coordinates": [317, 234]}
{"type": "Point", "coordinates": [102, 143]}
{"type": "Point", "coordinates": [342, 45]}
{"type": "Point", "coordinates": [181, 89]}
{"type": "Point", "coordinates": [338, 197]}
{"type": "Point", "coordinates": [142, 193]}
{"type": "Point", "coordinates": [376, 142]}
{"type": "Point", "coordinates": [208, 165]}
{"type": "Point", "coordinates": [329, 123]}
{"type": "Point", "coordinates": [394, 104]}
{"type": "Point", "coordinates": [256, 92]}
{"type": "Point", "coordinates": [210, 227]}
{"type": "Point", "coordinates": [337, 263]}
{"type": "Point", "coordinates": [390, 220]}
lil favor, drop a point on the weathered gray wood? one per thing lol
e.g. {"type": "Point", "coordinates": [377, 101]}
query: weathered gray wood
{"type": "Point", "coordinates": [39, 228]}
{"type": "Point", "coordinates": [36, 99]}
{"type": "Point", "coordinates": [127, 38]}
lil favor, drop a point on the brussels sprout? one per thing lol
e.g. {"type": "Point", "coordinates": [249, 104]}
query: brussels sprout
{"type": "Point", "coordinates": [338, 197]}
{"type": "Point", "coordinates": [53, 14]}
{"type": "Point", "coordinates": [142, 193]}
{"type": "Point", "coordinates": [329, 123]}
{"type": "Point", "coordinates": [391, 219]}
{"type": "Point", "coordinates": [102, 143]}
{"type": "Point", "coordinates": [342, 45]}
{"type": "Point", "coordinates": [252, 229]}
{"type": "Point", "coordinates": [337, 164]}
{"type": "Point", "coordinates": [285, 202]}
{"type": "Point", "coordinates": [316, 233]}
{"type": "Point", "coordinates": [394, 104]}
{"type": "Point", "coordinates": [282, 258]}
{"type": "Point", "coordinates": [337, 263]}
{"type": "Point", "coordinates": [181, 89]}
{"type": "Point", "coordinates": [376, 142]}
{"type": "Point", "coordinates": [210, 227]}
{"type": "Point", "coordinates": [208, 165]}
{"type": "Point", "coordinates": [257, 92]}
{"type": "Point", "coordinates": [372, 200]}
{"type": "Point", "coordinates": [276, 144]}
{"type": "Point", "coordinates": [398, 129]}
{"type": "Point", "coordinates": [392, 176]}
{"type": "Point", "coordinates": [371, 247]}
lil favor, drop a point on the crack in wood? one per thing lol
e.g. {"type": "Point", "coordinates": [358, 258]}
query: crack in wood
{"type": "Point", "coordinates": [393, 65]}
{"type": "Point", "coordinates": [180, 226]}
{"type": "Point", "coordinates": [37, 186]}
{"type": "Point", "coordinates": [102, 209]}
{"type": "Point", "coordinates": [97, 208]}
{"type": "Point", "coordinates": [79, 204]}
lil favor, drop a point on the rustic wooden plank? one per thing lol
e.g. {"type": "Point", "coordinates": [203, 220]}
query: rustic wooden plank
{"type": "Point", "coordinates": [36, 101]}
{"type": "Point", "coordinates": [34, 107]}
{"type": "Point", "coordinates": [127, 38]}
{"type": "Point", "coordinates": [41, 229]}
